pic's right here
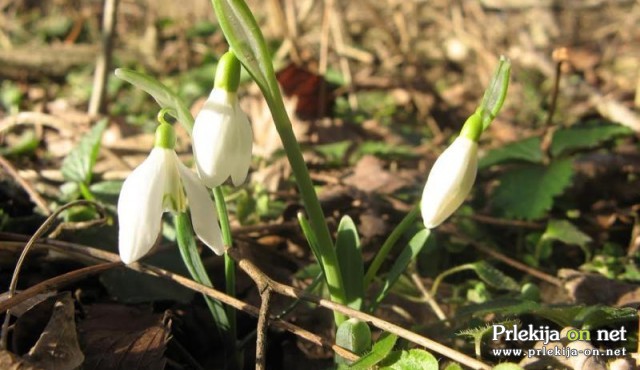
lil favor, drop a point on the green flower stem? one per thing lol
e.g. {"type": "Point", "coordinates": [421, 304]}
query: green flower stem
{"type": "Point", "coordinates": [193, 262]}
{"type": "Point", "coordinates": [451, 271]}
{"type": "Point", "coordinates": [245, 38]}
{"type": "Point", "coordinates": [229, 264]}
{"type": "Point", "coordinates": [402, 227]}
{"type": "Point", "coordinates": [328, 257]}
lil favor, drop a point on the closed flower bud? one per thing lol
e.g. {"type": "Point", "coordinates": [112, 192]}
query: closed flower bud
{"type": "Point", "coordinates": [450, 181]}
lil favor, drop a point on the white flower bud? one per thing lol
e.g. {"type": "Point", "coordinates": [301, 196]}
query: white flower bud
{"type": "Point", "coordinates": [450, 181]}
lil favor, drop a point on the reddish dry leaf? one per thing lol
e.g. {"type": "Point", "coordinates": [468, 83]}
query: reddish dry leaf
{"type": "Point", "coordinates": [118, 337]}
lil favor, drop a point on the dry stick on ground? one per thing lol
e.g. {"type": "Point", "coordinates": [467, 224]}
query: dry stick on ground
{"type": "Point", "coordinates": [90, 255]}
{"type": "Point", "coordinates": [16, 272]}
{"type": "Point", "coordinates": [55, 283]}
{"type": "Point", "coordinates": [429, 298]}
{"type": "Point", "coordinates": [263, 322]}
{"type": "Point", "coordinates": [253, 271]}
{"type": "Point", "coordinates": [508, 260]}
{"type": "Point", "coordinates": [28, 188]}
{"type": "Point", "coordinates": [104, 58]}
{"type": "Point", "coordinates": [263, 280]}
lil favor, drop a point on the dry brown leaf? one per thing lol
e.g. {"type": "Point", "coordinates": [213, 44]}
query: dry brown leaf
{"type": "Point", "coordinates": [596, 289]}
{"type": "Point", "coordinates": [9, 361]}
{"type": "Point", "coordinates": [369, 176]}
{"type": "Point", "coordinates": [118, 337]}
{"type": "Point", "coordinates": [57, 348]}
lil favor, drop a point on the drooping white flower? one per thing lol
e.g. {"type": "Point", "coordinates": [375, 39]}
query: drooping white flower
{"type": "Point", "coordinates": [222, 139]}
{"type": "Point", "coordinates": [161, 184]}
{"type": "Point", "coordinates": [450, 181]}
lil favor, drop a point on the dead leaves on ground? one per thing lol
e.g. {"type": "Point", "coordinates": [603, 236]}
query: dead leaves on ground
{"type": "Point", "coordinates": [107, 336]}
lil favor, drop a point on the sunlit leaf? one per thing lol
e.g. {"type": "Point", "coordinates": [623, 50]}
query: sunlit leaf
{"type": "Point", "coordinates": [527, 150]}
{"type": "Point", "coordinates": [574, 138]}
{"type": "Point", "coordinates": [78, 165]}
{"type": "Point", "coordinates": [527, 192]}
{"type": "Point", "coordinates": [379, 352]}
{"type": "Point", "coordinates": [350, 260]}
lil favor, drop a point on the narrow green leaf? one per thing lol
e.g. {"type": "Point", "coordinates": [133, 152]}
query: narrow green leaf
{"type": "Point", "coordinates": [350, 260]}
{"type": "Point", "coordinates": [414, 359]}
{"type": "Point", "coordinates": [78, 165]}
{"type": "Point", "coordinates": [496, 92]}
{"type": "Point", "coordinates": [574, 138]}
{"type": "Point", "coordinates": [245, 38]}
{"type": "Point", "coordinates": [523, 150]}
{"type": "Point", "coordinates": [310, 235]}
{"type": "Point", "coordinates": [379, 352]}
{"type": "Point", "coordinates": [162, 95]}
{"type": "Point", "coordinates": [495, 277]}
{"type": "Point", "coordinates": [527, 192]}
{"type": "Point", "coordinates": [400, 265]}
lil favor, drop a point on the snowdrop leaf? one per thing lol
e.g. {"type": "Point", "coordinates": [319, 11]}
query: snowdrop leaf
{"type": "Point", "coordinates": [350, 260]}
{"type": "Point", "coordinates": [78, 165]}
{"type": "Point", "coordinates": [379, 352]}
{"type": "Point", "coordinates": [245, 38]}
{"type": "Point", "coordinates": [400, 265]}
{"type": "Point", "coordinates": [162, 95]}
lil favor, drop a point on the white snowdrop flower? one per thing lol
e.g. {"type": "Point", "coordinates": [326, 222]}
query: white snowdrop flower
{"type": "Point", "coordinates": [451, 178]}
{"type": "Point", "coordinates": [222, 139]}
{"type": "Point", "coordinates": [163, 184]}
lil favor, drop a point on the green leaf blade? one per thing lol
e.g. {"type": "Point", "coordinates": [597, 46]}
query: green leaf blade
{"type": "Point", "coordinates": [379, 352]}
{"type": "Point", "coordinates": [527, 150]}
{"type": "Point", "coordinates": [78, 165]}
{"type": "Point", "coordinates": [350, 260]}
{"type": "Point", "coordinates": [414, 247]}
{"type": "Point", "coordinates": [528, 192]}
{"type": "Point", "coordinates": [574, 138]}
{"type": "Point", "coordinates": [413, 359]}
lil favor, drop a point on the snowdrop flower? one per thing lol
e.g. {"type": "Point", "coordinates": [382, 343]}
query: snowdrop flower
{"type": "Point", "coordinates": [452, 176]}
{"type": "Point", "coordinates": [160, 184]}
{"type": "Point", "coordinates": [222, 136]}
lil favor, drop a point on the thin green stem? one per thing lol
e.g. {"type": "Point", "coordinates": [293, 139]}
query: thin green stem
{"type": "Point", "coordinates": [229, 264]}
{"type": "Point", "coordinates": [402, 227]}
{"type": "Point", "coordinates": [193, 262]}
{"type": "Point", "coordinates": [451, 271]}
{"type": "Point", "coordinates": [329, 259]}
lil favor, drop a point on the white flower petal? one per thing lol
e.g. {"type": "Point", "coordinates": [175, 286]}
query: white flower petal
{"type": "Point", "coordinates": [203, 212]}
{"type": "Point", "coordinates": [140, 207]}
{"type": "Point", "coordinates": [210, 142]}
{"type": "Point", "coordinates": [244, 139]}
{"type": "Point", "coordinates": [449, 182]}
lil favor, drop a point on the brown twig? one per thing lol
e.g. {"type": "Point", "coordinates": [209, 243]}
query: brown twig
{"type": "Point", "coordinates": [104, 58]}
{"type": "Point", "coordinates": [16, 272]}
{"type": "Point", "coordinates": [429, 298]}
{"type": "Point", "coordinates": [261, 280]}
{"type": "Point", "coordinates": [263, 323]}
{"type": "Point", "coordinates": [55, 283]}
{"type": "Point", "coordinates": [87, 254]}
{"type": "Point", "coordinates": [28, 188]}
{"type": "Point", "coordinates": [516, 264]}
